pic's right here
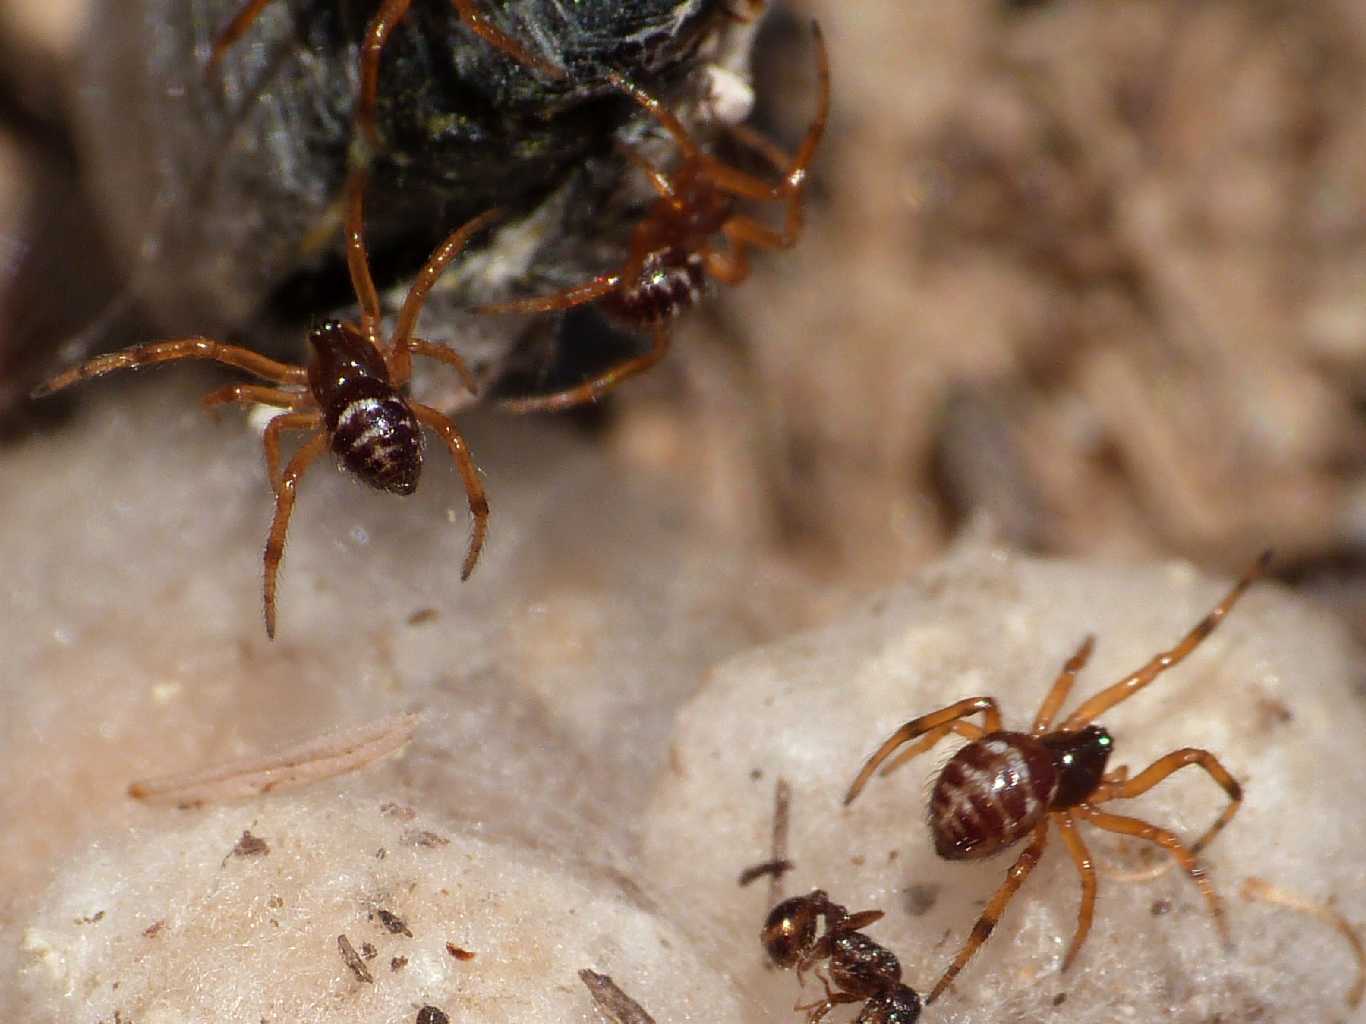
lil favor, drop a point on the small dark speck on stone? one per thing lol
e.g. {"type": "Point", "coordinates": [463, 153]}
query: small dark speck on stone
{"type": "Point", "coordinates": [399, 811]}
{"type": "Point", "coordinates": [368, 951]}
{"type": "Point", "coordinates": [398, 963]}
{"type": "Point", "coordinates": [431, 1015]}
{"type": "Point", "coordinates": [393, 923]}
{"type": "Point", "coordinates": [250, 846]}
{"type": "Point", "coordinates": [421, 837]}
{"type": "Point", "coordinates": [1060, 998]}
{"type": "Point", "coordinates": [423, 615]}
{"type": "Point", "coordinates": [458, 953]}
{"type": "Point", "coordinates": [921, 898]}
{"type": "Point", "coordinates": [756, 774]}
{"type": "Point", "coordinates": [1160, 907]}
{"type": "Point", "coordinates": [94, 918]}
{"type": "Point", "coordinates": [152, 930]}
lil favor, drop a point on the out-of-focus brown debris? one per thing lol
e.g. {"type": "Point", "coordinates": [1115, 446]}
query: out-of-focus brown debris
{"type": "Point", "coordinates": [1096, 272]}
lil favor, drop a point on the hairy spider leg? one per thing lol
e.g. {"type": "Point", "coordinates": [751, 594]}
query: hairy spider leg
{"type": "Point", "coordinates": [594, 388]}
{"type": "Point", "coordinates": [1015, 878]}
{"type": "Point", "coordinates": [1081, 857]}
{"type": "Point", "coordinates": [967, 730]}
{"type": "Point", "coordinates": [1160, 769]}
{"type": "Point", "coordinates": [474, 488]}
{"type": "Point", "coordinates": [442, 256]}
{"type": "Point", "coordinates": [151, 353]}
{"type": "Point", "coordinates": [1168, 841]}
{"type": "Point", "coordinates": [284, 506]}
{"type": "Point", "coordinates": [1062, 686]}
{"type": "Point", "coordinates": [1131, 684]}
{"type": "Point", "coordinates": [917, 727]}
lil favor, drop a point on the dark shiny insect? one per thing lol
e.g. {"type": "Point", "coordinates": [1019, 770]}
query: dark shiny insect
{"type": "Point", "coordinates": [1004, 786]}
{"type": "Point", "coordinates": [673, 248]}
{"type": "Point", "coordinates": [860, 969]}
{"type": "Point", "coordinates": [377, 33]}
{"type": "Point", "coordinates": [348, 396]}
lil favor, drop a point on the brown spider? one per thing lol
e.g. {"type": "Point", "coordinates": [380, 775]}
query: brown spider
{"type": "Point", "coordinates": [348, 395]}
{"type": "Point", "coordinates": [672, 251]}
{"type": "Point", "coordinates": [1003, 786]}
{"type": "Point", "coordinates": [377, 33]}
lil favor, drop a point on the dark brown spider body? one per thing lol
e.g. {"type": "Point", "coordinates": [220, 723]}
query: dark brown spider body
{"type": "Point", "coordinates": [994, 791]}
{"type": "Point", "coordinates": [670, 281]}
{"type": "Point", "coordinates": [1005, 787]}
{"type": "Point", "coordinates": [373, 431]}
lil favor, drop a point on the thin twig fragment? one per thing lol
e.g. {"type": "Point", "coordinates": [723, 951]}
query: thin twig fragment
{"type": "Point", "coordinates": [334, 753]}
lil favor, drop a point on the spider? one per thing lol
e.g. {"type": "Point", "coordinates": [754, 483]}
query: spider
{"type": "Point", "coordinates": [672, 249]}
{"type": "Point", "coordinates": [348, 396]}
{"type": "Point", "coordinates": [377, 33]}
{"type": "Point", "coordinates": [1004, 786]}
{"type": "Point", "coordinates": [862, 970]}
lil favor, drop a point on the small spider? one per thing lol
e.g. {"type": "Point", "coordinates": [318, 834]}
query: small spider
{"type": "Point", "coordinates": [672, 249]}
{"type": "Point", "coordinates": [377, 33]}
{"type": "Point", "coordinates": [1003, 786]}
{"type": "Point", "coordinates": [348, 396]}
{"type": "Point", "coordinates": [862, 970]}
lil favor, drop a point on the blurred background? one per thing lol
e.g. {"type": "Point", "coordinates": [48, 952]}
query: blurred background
{"type": "Point", "coordinates": [1089, 277]}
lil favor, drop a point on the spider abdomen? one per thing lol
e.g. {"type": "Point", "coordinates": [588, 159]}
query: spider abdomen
{"type": "Point", "coordinates": [378, 438]}
{"type": "Point", "coordinates": [991, 794]}
{"type": "Point", "coordinates": [373, 431]}
{"type": "Point", "coordinates": [670, 281]}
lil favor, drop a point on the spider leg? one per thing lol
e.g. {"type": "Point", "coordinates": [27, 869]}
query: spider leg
{"type": "Point", "coordinates": [761, 144]}
{"type": "Point", "coordinates": [426, 279]}
{"type": "Point", "coordinates": [357, 259]}
{"type": "Point", "coordinates": [1062, 686]}
{"type": "Point", "coordinates": [254, 394]}
{"type": "Point", "coordinates": [917, 727]}
{"type": "Point", "coordinates": [169, 351]}
{"type": "Point", "coordinates": [474, 488]}
{"type": "Point", "coordinates": [233, 31]}
{"type": "Point", "coordinates": [270, 440]}
{"type": "Point", "coordinates": [729, 266]}
{"type": "Point", "coordinates": [593, 389]}
{"type": "Point", "coordinates": [447, 355]}
{"type": "Point", "coordinates": [284, 506]}
{"type": "Point", "coordinates": [659, 180]}
{"type": "Point", "coordinates": [1141, 829]}
{"type": "Point", "coordinates": [567, 298]}
{"type": "Point", "coordinates": [1081, 857]}
{"type": "Point", "coordinates": [377, 33]}
{"type": "Point", "coordinates": [1131, 684]}
{"type": "Point", "coordinates": [737, 182]}
{"type": "Point", "coordinates": [479, 24]}
{"type": "Point", "coordinates": [1015, 877]}
{"type": "Point", "coordinates": [965, 729]}
{"type": "Point", "coordinates": [1156, 772]}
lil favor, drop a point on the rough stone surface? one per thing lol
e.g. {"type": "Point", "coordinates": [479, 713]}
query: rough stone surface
{"type": "Point", "coordinates": [1268, 693]}
{"type": "Point", "coordinates": [187, 921]}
